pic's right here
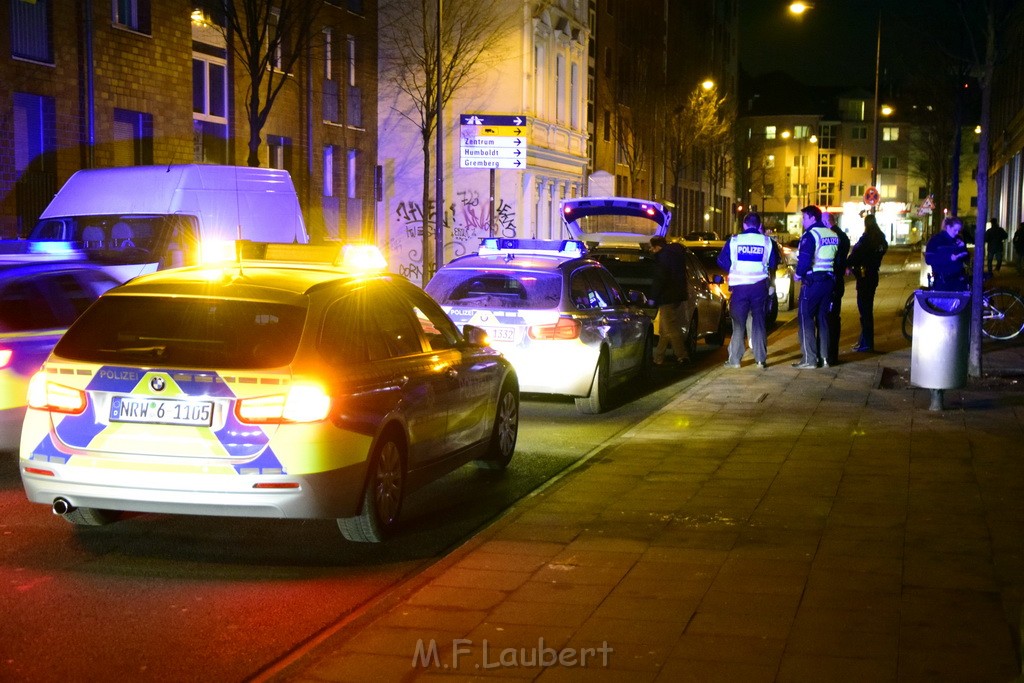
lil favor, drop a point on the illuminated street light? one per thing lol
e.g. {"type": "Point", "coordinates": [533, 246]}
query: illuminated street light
{"type": "Point", "coordinates": [799, 8]}
{"type": "Point", "coordinates": [708, 84]}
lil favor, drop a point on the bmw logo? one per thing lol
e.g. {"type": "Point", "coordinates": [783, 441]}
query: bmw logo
{"type": "Point", "coordinates": [157, 384]}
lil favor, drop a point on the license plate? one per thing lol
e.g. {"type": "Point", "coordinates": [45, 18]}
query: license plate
{"type": "Point", "coordinates": [502, 334]}
{"type": "Point", "coordinates": [161, 411]}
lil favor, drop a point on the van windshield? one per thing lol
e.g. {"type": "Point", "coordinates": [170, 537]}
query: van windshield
{"type": "Point", "coordinates": [117, 238]}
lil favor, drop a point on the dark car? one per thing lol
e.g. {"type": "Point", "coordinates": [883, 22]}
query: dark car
{"type": "Point", "coordinates": [38, 301]}
{"type": "Point", "coordinates": [618, 230]}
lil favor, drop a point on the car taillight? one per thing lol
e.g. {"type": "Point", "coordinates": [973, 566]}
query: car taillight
{"type": "Point", "coordinates": [565, 328]}
{"type": "Point", "coordinates": [302, 403]}
{"type": "Point", "coordinates": [56, 398]}
{"type": "Point", "coordinates": [5, 357]}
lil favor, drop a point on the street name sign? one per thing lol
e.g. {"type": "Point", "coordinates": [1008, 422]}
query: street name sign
{"type": "Point", "coordinates": [493, 141]}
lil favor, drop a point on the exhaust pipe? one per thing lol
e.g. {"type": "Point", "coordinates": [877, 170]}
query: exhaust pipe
{"type": "Point", "coordinates": [61, 506]}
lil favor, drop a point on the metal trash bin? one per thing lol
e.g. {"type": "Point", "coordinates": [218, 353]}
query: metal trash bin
{"type": "Point", "coordinates": [938, 355]}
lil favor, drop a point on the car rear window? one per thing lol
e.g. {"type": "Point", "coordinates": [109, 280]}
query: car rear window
{"type": "Point", "coordinates": [185, 332]}
{"type": "Point", "coordinates": [474, 288]}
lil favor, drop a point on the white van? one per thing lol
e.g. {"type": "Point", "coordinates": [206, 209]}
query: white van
{"type": "Point", "coordinates": [138, 219]}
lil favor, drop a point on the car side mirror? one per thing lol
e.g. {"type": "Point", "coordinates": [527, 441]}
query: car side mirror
{"type": "Point", "coordinates": [476, 336]}
{"type": "Point", "coordinates": [636, 297]}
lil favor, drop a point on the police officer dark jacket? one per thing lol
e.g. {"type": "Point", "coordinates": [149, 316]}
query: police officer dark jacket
{"type": "Point", "coordinates": [749, 258]}
{"type": "Point", "coordinates": [818, 249]}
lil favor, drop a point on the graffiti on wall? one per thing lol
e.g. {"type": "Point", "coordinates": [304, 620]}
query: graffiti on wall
{"type": "Point", "coordinates": [465, 222]}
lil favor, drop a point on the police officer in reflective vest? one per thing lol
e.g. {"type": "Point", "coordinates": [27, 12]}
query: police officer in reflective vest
{"type": "Point", "coordinates": [750, 258]}
{"type": "Point", "coordinates": [815, 268]}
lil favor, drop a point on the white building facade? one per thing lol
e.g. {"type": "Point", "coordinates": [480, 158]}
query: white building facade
{"type": "Point", "coordinates": [536, 70]}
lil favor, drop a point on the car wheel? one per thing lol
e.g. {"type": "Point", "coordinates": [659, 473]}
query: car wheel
{"type": "Point", "coordinates": [597, 401]}
{"type": "Point", "coordinates": [505, 432]}
{"type": "Point", "coordinates": [91, 516]}
{"type": "Point", "coordinates": [691, 338]}
{"type": "Point", "coordinates": [645, 371]}
{"type": "Point", "coordinates": [718, 337]}
{"type": "Point", "coordinates": [382, 498]}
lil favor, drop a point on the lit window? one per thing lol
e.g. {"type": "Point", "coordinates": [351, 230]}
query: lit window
{"type": "Point", "coordinates": [801, 132]}
{"type": "Point", "coordinates": [352, 173]}
{"type": "Point", "coordinates": [890, 133]}
{"type": "Point", "coordinates": [769, 132]}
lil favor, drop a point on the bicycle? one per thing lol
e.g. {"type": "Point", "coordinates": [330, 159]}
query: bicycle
{"type": "Point", "coordinates": [1002, 314]}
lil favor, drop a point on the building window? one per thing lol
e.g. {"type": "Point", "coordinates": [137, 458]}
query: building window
{"type": "Point", "coordinates": [890, 133]}
{"type": "Point", "coordinates": [801, 132]}
{"type": "Point", "coordinates": [280, 152]}
{"type": "Point", "coordinates": [34, 132]}
{"type": "Point", "coordinates": [329, 170]}
{"type": "Point", "coordinates": [574, 97]}
{"type": "Point", "coordinates": [352, 173]}
{"type": "Point", "coordinates": [133, 138]}
{"type": "Point", "coordinates": [539, 78]}
{"type": "Point", "coordinates": [827, 136]}
{"type": "Point", "coordinates": [859, 133]}
{"type": "Point", "coordinates": [560, 89]}
{"type": "Point", "coordinates": [329, 105]}
{"type": "Point", "coordinates": [209, 109]}
{"type": "Point", "coordinates": [857, 190]}
{"type": "Point", "coordinates": [827, 165]}
{"type": "Point", "coordinates": [769, 190]}
{"type": "Point", "coordinates": [858, 162]}
{"type": "Point", "coordinates": [280, 51]}
{"type": "Point", "coordinates": [889, 163]}
{"type": "Point", "coordinates": [607, 132]}
{"type": "Point", "coordinates": [769, 161]}
{"type": "Point", "coordinates": [30, 31]}
{"type": "Point", "coordinates": [354, 106]}
{"type": "Point", "coordinates": [799, 161]}
{"type": "Point", "coordinates": [769, 132]}
{"type": "Point", "coordinates": [133, 15]}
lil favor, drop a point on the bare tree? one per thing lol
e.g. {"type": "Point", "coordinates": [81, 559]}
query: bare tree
{"type": "Point", "coordinates": [470, 32]}
{"type": "Point", "coordinates": [700, 134]}
{"type": "Point", "coordinates": [267, 37]}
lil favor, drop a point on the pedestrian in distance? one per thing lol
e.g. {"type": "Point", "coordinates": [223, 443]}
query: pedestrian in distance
{"type": "Point", "coordinates": [1018, 248]}
{"type": "Point", "coordinates": [947, 254]}
{"type": "Point", "coordinates": [835, 310]}
{"type": "Point", "coordinates": [865, 261]}
{"type": "Point", "coordinates": [995, 238]}
{"type": "Point", "coordinates": [749, 258]}
{"type": "Point", "coordinates": [670, 292]}
{"type": "Point", "coordinates": [815, 268]}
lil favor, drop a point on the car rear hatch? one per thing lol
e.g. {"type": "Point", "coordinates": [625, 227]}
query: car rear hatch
{"type": "Point", "coordinates": [611, 221]}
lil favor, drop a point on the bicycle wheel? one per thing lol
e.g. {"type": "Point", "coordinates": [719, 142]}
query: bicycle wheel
{"type": "Point", "coordinates": [1002, 314]}
{"type": "Point", "coordinates": [908, 318]}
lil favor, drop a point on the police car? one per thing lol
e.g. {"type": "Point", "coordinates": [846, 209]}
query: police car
{"type": "Point", "coordinates": [560, 317]}
{"type": "Point", "coordinates": [38, 301]}
{"type": "Point", "coordinates": [292, 383]}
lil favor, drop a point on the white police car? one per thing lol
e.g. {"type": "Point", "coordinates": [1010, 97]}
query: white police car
{"type": "Point", "coordinates": [561, 318]}
{"type": "Point", "coordinates": [269, 387]}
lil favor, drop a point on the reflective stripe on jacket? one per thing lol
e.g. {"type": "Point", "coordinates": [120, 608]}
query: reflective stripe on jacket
{"type": "Point", "coordinates": [826, 246]}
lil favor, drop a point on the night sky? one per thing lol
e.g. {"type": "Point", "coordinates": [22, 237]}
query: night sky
{"type": "Point", "coordinates": [833, 44]}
